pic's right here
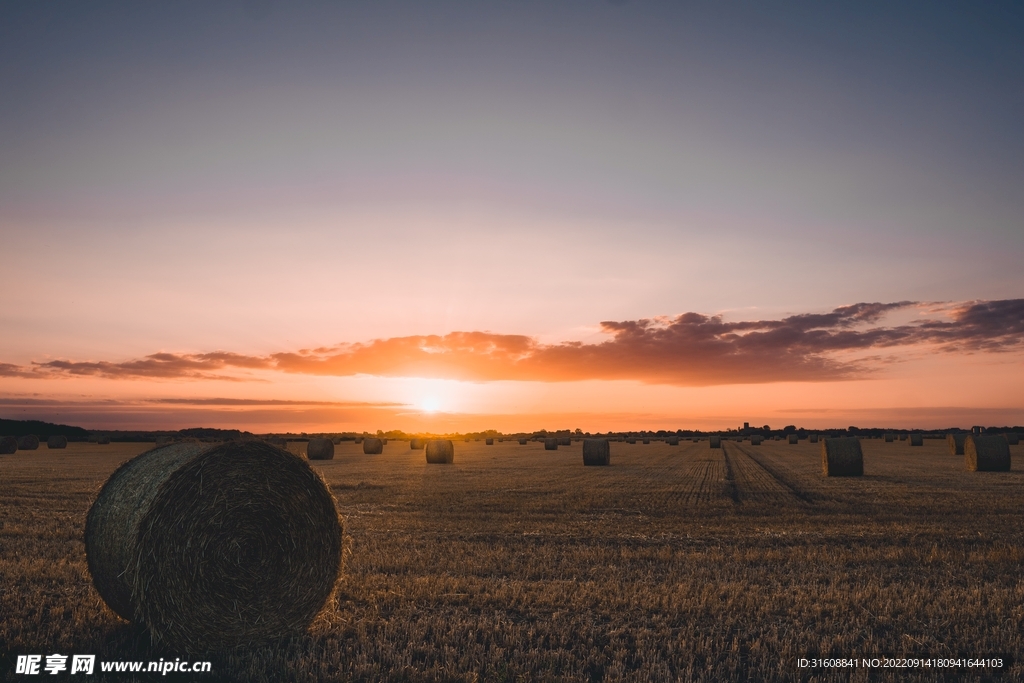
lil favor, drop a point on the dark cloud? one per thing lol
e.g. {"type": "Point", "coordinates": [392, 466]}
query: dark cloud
{"type": "Point", "coordinates": [691, 349]}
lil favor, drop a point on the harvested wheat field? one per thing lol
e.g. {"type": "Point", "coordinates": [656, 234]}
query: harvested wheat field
{"type": "Point", "coordinates": [518, 563]}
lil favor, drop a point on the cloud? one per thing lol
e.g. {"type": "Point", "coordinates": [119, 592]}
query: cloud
{"type": "Point", "coordinates": [690, 349]}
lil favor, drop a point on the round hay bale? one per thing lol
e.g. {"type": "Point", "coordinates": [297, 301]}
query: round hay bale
{"type": "Point", "coordinates": [793, 439]}
{"type": "Point", "coordinates": [8, 445]}
{"type": "Point", "coordinates": [358, 439]}
{"type": "Point", "coordinates": [596, 452]}
{"type": "Point", "coordinates": [813, 438]}
{"type": "Point", "coordinates": [214, 546]}
{"type": "Point", "coordinates": [551, 444]}
{"type": "Point", "coordinates": [986, 453]}
{"type": "Point", "coordinates": [696, 440]}
{"type": "Point", "coordinates": [842, 457]}
{"type": "Point", "coordinates": [716, 442]}
{"type": "Point", "coordinates": [630, 440]}
{"type": "Point", "coordinates": [672, 441]}
{"type": "Point", "coordinates": [903, 437]}
{"type": "Point", "coordinates": [489, 442]}
{"type": "Point", "coordinates": [373, 446]}
{"type": "Point", "coordinates": [440, 451]}
{"type": "Point", "coordinates": [646, 440]}
{"type": "Point", "coordinates": [522, 442]}
{"type": "Point", "coordinates": [756, 440]}
{"type": "Point", "coordinates": [889, 438]}
{"type": "Point", "coordinates": [417, 444]}
{"type": "Point", "coordinates": [29, 442]}
{"type": "Point", "coordinates": [384, 441]}
{"type": "Point", "coordinates": [103, 440]}
{"type": "Point", "coordinates": [916, 440]}
{"type": "Point", "coordinates": [956, 442]}
{"type": "Point", "coordinates": [320, 449]}
{"type": "Point", "coordinates": [1012, 438]}
{"type": "Point", "coordinates": [564, 441]}
{"type": "Point", "coordinates": [57, 442]}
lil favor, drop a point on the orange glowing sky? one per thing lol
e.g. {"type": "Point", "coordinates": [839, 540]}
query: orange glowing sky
{"type": "Point", "coordinates": [457, 217]}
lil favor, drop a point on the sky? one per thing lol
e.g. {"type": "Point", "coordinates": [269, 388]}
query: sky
{"type": "Point", "coordinates": [457, 216]}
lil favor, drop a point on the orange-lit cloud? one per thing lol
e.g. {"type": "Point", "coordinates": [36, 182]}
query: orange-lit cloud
{"type": "Point", "coordinates": [691, 349]}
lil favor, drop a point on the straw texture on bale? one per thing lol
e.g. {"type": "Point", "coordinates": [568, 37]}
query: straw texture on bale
{"type": "Point", "coordinates": [889, 438]}
{"type": "Point", "coordinates": [986, 453]}
{"type": "Point", "coordinates": [564, 441]}
{"type": "Point", "coordinates": [672, 441]}
{"type": "Point", "coordinates": [793, 438]}
{"type": "Point", "coordinates": [373, 446]}
{"type": "Point", "coordinates": [716, 442]}
{"type": "Point", "coordinates": [488, 442]}
{"type": "Point", "coordinates": [8, 445]}
{"type": "Point", "coordinates": [756, 440]}
{"type": "Point", "coordinates": [522, 442]}
{"type": "Point", "coordinates": [57, 442]}
{"type": "Point", "coordinates": [956, 443]}
{"type": "Point", "coordinates": [29, 442]}
{"type": "Point", "coordinates": [440, 451]}
{"type": "Point", "coordinates": [550, 444]}
{"type": "Point", "coordinates": [916, 440]}
{"type": "Point", "coordinates": [192, 541]}
{"type": "Point", "coordinates": [417, 444]}
{"type": "Point", "coordinates": [842, 458]}
{"type": "Point", "coordinates": [1012, 438]}
{"type": "Point", "coordinates": [596, 452]}
{"type": "Point", "coordinates": [320, 449]}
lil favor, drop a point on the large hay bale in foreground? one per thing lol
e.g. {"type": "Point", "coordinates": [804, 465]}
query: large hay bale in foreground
{"type": "Point", "coordinates": [373, 446]}
{"type": "Point", "coordinates": [8, 445]}
{"type": "Point", "coordinates": [215, 546]}
{"type": "Point", "coordinates": [550, 444]}
{"type": "Point", "coordinates": [842, 457]}
{"type": "Point", "coordinates": [716, 441]}
{"type": "Point", "coordinates": [596, 452]}
{"type": "Point", "coordinates": [756, 440]}
{"type": "Point", "coordinates": [29, 442]}
{"type": "Point", "coordinates": [1012, 438]}
{"type": "Point", "coordinates": [986, 453]}
{"type": "Point", "coordinates": [417, 444]}
{"type": "Point", "coordinates": [320, 449]}
{"type": "Point", "coordinates": [564, 441]}
{"type": "Point", "coordinates": [57, 442]}
{"type": "Point", "coordinates": [916, 440]}
{"type": "Point", "coordinates": [488, 442]}
{"type": "Point", "coordinates": [956, 442]}
{"type": "Point", "coordinates": [522, 442]}
{"type": "Point", "coordinates": [440, 451]}
{"type": "Point", "coordinates": [793, 439]}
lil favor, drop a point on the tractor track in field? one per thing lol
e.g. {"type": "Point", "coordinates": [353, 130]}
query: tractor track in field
{"type": "Point", "coordinates": [782, 479]}
{"type": "Point", "coordinates": [731, 489]}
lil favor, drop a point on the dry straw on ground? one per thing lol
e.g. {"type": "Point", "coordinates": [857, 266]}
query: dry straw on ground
{"type": "Point", "coordinates": [57, 442]}
{"type": "Point", "coordinates": [189, 540]}
{"type": "Point", "coordinates": [416, 444]}
{"type": "Point", "coordinates": [793, 439]}
{"type": "Point", "coordinates": [551, 444]}
{"type": "Point", "coordinates": [956, 442]}
{"type": "Point", "coordinates": [29, 442]}
{"type": "Point", "coordinates": [916, 440]}
{"type": "Point", "coordinates": [440, 451]}
{"type": "Point", "coordinates": [320, 449]}
{"type": "Point", "coordinates": [8, 445]}
{"type": "Point", "coordinates": [596, 452]}
{"type": "Point", "coordinates": [842, 458]}
{"type": "Point", "coordinates": [716, 442]}
{"type": "Point", "coordinates": [988, 453]}
{"type": "Point", "coordinates": [373, 446]}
